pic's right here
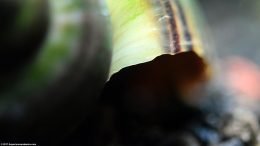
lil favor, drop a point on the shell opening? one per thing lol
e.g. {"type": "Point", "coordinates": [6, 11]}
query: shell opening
{"type": "Point", "coordinates": [180, 73]}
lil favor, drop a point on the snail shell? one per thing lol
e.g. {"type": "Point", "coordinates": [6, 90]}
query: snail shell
{"type": "Point", "coordinates": [146, 29]}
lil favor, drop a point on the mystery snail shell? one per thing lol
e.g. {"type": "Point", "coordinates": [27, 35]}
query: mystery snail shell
{"type": "Point", "coordinates": [146, 29]}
